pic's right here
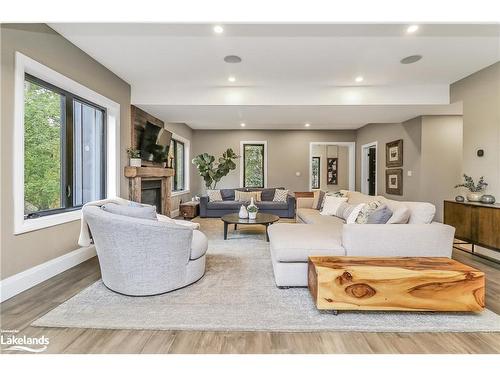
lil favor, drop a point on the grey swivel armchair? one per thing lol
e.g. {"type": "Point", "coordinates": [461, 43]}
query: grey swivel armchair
{"type": "Point", "coordinates": [141, 257]}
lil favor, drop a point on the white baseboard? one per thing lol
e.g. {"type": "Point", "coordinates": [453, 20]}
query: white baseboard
{"type": "Point", "coordinates": [22, 281]}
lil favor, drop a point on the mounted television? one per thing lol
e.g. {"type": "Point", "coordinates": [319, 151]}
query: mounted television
{"type": "Point", "coordinates": [155, 143]}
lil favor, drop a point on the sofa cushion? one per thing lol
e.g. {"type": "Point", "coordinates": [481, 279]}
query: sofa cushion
{"type": "Point", "coordinates": [331, 205]}
{"type": "Point", "coordinates": [199, 245]}
{"type": "Point", "coordinates": [143, 212]}
{"type": "Point", "coordinates": [296, 242]}
{"type": "Point", "coordinates": [280, 195]}
{"type": "Point", "coordinates": [312, 216]}
{"type": "Point", "coordinates": [268, 194]}
{"type": "Point", "coordinates": [227, 194]}
{"type": "Point", "coordinates": [354, 197]}
{"type": "Point", "coordinates": [421, 212]}
{"type": "Point", "coordinates": [224, 205]}
{"type": "Point", "coordinates": [246, 196]}
{"type": "Point", "coordinates": [400, 211]}
{"type": "Point", "coordinates": [272, 205]}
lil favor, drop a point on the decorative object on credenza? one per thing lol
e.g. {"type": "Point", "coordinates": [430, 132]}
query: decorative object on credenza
{"type": "Point", "coordinates": [475, 190]}
{"type": "Point", "coordinates": [394, 181]}
{"type": "Point", "coordinates": [394, 154]}
{"type": "Point", "coordinates": [252, 210]}
{"type": "Point", "coordinates": [488, 199]}
{"type": "Point", "coordinates": [213, 172]}
{"type": "Point", "coordinates": [460, 198]}
{"type": "Point", "coordinates": [243, 214]}
{"type": "Point", "coordinates": [332, 165]}
{"type": "Point", "coordinates": [134, 156]}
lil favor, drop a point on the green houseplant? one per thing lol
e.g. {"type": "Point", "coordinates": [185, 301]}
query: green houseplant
{"type": "Point", "coordinates": [212, 171]}
{"type": "Point", "coordinates": [134, 156]}
{"type": "Point", "coordinates": [475, 190]}
{"type": "Point", "coordinates": [252, 211]}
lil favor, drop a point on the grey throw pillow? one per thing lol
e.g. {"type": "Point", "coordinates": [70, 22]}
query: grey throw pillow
{"type": "Point", "coordinates": [380, 216]}
{"type": "Point", "coordinates": [148, 212]}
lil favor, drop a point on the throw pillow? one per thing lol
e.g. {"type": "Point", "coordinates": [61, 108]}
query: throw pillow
{"type": "Point", "coordinates": [351, 219]}
{"type": "Point", "coordinates": [280, 195]}
{"type": "Point", "coordinates": [366, 211]}
{"type": "Point", "coordinates": [214, 196]}
{"type": "Point", "coordinates": [145, 212]}
{"type": "Point", "coordinates": [337, 194]}
{"type": "Point", "coordinates": [380, 216]}
{"type": "Point", "coordinates": [246, 196]}
{"type": "Point", "coordinates": [400, 215]}
{"type": "Point", "coordinates": [344, 210]}
{"type": "Point", "coordinates": [331, 205]}
{"type": "Point", "coordinates": [316, 196]}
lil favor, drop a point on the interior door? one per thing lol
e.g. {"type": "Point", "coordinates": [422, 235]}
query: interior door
{"type": "Point", "coordinates": [372, 170]}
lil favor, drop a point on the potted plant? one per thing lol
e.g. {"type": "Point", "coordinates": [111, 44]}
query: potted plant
{"type": "Point", "coordinates": [475, 190]}
{"type": "Point", "coordinates": [134, 156]}
{"type": "Point", "coordinates": [211, 171]}
{"type": "Point", "coordinates": [252, 211]}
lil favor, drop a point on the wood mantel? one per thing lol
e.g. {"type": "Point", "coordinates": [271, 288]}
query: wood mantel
{"type": "Point", "coordinates": [135, 176]}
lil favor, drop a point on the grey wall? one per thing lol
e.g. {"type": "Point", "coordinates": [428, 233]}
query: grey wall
{"type": "Point", "coordinates": [480, 96]}
{"type": "Point", "coordinates": [43, 44]}
{"type": "Point", "coordinates": [288, 153]}
{"type": "Point", "coordinates": [410, 132]}
{"type": "Point", "coordinates": [432, 151]}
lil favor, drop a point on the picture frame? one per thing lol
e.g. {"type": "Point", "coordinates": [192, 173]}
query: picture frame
{"type": "Point", "coordinates": [394, 154]}
{"type": "Point", "coordinates": [332, 165]}
{"type": "Point", "coordinates": [394, 181]}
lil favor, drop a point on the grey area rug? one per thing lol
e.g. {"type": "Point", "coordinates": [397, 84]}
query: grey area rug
{"type": "Point", "coordinates": [238, 293]}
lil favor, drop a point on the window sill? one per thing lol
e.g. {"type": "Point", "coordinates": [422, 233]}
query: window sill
{"type": "Point", "coordinates": [180, 192]}
{"type": "Point", "coordinates": [30, 225]}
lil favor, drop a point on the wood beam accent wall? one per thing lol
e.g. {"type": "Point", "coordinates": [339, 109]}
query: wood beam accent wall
{"type": "Point", "coordinates": [139, 120]}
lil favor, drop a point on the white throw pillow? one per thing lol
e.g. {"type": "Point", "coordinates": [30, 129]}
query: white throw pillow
{"type": "Point", "coordinates": [331, 205]}
{"type": "Point", "coordinates": [214, 196]}
{"type": "Point", "coordinates": [400, 215]}
{"type": "Point", "coordinates": [351, 219]}
{"type": "Point", "coordinates": [280, 195]}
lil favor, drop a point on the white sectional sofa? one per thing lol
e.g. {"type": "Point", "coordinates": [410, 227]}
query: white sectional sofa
{"type": "Point", "coordinates": [291, 244]}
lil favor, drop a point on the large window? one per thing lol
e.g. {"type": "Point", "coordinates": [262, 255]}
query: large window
{"type": "Point", "coordinates": [178, 152]}
{"type": "Point", "coordinates": [253, 165]}
{"type": "Point", "coordinates": [64, 149]}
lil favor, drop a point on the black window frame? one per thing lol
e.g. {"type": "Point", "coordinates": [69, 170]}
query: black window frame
{"type": "Point", "coordinates": [175, 143]}
{"type": "Point", "coordinates": [67, 145]}
{"type": "Point", "coordinates": [319, 172]}
{"type": "Point", "coordinates": [263, 153]}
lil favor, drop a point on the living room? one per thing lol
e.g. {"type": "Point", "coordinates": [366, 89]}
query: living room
{"type": "Point", "coordinates": [243, 187]}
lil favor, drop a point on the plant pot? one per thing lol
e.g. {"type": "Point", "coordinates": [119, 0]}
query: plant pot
{"type": "Point", "coordinates": [252, 215]}
{"type": "Point", "coordinates": [474, 196]}
{"type": "Point", "coordinates": [135, 162]}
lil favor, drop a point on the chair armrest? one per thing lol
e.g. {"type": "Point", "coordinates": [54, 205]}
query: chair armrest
{"type": "Point", "coordinates": [291, 205]}
{"type": "Point", "coordinates": [203, 206]}
{"type": "Point", "coordinates": [387, 240]}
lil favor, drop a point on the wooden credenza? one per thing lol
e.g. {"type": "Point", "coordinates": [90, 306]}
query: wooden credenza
{"type": "Point", "coordinates": [476, 223]}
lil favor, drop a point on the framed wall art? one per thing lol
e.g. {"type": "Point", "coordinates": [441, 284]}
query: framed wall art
{"type": "Point", "coordinates": [394, 154]}
{"type": "Point", "coordinates": [394, 181]}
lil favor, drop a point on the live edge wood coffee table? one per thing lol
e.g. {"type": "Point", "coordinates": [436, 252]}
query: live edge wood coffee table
{"type": "Point", "coordinates": [403, 284]}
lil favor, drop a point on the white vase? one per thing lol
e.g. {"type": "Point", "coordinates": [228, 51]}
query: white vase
{"type": "Point", "coordinates": [474, 196]}
{"type": "Point", "coordinates": [252, 215]}
{"type": "Point", "coordinates": [135, 162]}
{"type": "Point", "coordinates": [243, 214]}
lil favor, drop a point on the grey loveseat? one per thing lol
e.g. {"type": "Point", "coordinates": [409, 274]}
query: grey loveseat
{"type": "Point", "coordinates": [229, 205]}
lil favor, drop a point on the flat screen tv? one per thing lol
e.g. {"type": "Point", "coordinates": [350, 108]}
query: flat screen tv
{"type": "Point", "coordinates": [155, 143]}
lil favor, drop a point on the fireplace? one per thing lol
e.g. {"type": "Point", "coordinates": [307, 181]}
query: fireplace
{"type": "Point", "coordinates": [151, 193]}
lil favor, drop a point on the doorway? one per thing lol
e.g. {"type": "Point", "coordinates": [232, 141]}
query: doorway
{"type": "Point", "coordinates": [369, 168]}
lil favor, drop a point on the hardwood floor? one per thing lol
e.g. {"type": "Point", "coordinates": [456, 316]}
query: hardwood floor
{"type": "Point", "coordinates": [18, 313]}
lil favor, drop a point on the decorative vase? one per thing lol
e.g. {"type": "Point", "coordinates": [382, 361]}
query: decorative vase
{"type": "Point", "coordinates": [488, 199]}
{"type": "Point", "coordinates": [135, 162]}
{"type": "Point", "coordinates": [243, 214]}
{"type": "Point", "coordinates": [252, 215]}
{"type": "Point", "coordinates": [474, 196]}
{"type": "Point", "coordinates": [459, 198]}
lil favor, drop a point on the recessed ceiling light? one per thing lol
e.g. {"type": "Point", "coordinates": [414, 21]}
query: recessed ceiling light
{"type": "Point", "coordinates": [359, 79]}
{"type": "Point", "coordinates": [307, 125]}
{"type": "Point", "coordinates": [411, 59]}
{"type": "Point", "coordinates": [242, 124]}
{"type": "Point", "coordinates": [411, 29]}
{"type": "Point", "coordinates": [218, 29]}
{"type": "Point", "coordinates": [232, 59]}
{"type": "Point", "coordinates": [231, 79]}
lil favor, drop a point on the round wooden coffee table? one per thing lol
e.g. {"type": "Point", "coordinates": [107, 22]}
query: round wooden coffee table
{"type": "Point", "coordinates": [262, 219]}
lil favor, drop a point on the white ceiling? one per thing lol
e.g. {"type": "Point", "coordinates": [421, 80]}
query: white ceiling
{"type": "Point", "coordinates": [300, 71]}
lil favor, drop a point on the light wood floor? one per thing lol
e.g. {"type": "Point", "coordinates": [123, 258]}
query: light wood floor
{"type": "Point", "coordinates": [18, 313]}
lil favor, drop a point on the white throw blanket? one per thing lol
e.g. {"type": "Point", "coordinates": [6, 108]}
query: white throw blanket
{"type": "Point", "coordinates": [85, 238]}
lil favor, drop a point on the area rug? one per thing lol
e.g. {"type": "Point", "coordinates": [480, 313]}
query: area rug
{"type": "Point", "coordinates": [238, 293]}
